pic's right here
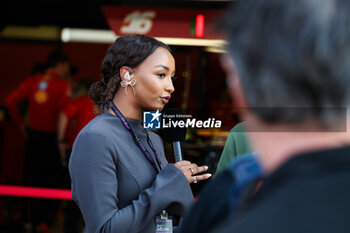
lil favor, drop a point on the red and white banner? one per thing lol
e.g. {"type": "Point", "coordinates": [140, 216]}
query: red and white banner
{"type": "Point", "coordinates": [163, 22]}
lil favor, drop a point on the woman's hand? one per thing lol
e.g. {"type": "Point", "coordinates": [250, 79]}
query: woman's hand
{"type": "Point", "coordinates": [190, 170]}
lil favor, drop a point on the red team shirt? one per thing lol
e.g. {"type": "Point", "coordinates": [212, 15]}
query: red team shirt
{"type": "Point", "coordinates": [82, 109]}
{"type": "Point", "coordinates": [48, 95]}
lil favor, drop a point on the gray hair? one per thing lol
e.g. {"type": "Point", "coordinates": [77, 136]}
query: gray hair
{"type": "Point", "coordinates": [292, 54]}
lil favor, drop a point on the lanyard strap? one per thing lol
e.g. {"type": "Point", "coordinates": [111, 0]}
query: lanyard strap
{"type": "Point", "coordinates": [138, 141]}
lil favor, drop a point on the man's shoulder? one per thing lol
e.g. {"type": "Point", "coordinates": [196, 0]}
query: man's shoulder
{"type": "Point", "coordinates": [266, 213]}
{"type": "Point", "coordinates": [295, 202]}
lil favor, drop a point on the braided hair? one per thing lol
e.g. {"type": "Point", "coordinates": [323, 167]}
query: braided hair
{"type": "Point", "coordinates": [129, 50]}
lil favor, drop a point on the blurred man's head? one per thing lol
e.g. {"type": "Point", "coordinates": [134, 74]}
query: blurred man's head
{"type": "Point", "coordinates": [289, 64]}
{"type": "Point", "coordinates": [292, 58]}
{"type": "Point", "coordinates": [58, 60]}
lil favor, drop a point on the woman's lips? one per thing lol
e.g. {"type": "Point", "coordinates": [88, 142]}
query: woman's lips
{"type": "Point", "coordinates": [165, 99]}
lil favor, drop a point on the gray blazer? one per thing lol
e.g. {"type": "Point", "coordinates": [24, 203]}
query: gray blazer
{"type": "Point", "coordinates": [115, 186]}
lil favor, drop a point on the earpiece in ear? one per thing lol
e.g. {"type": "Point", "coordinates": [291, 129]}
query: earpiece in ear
{"type": "Point", "coordinates": [128, 82]}
{"type": "Point", "coordinates": [127, 76]}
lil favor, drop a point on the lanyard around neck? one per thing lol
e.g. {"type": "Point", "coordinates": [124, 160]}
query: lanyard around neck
{"type": "Point", "coordinates": [138, 141]}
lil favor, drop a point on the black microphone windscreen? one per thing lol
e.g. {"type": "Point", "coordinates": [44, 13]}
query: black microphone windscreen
{"type": "Point", "coordinates": [173, 133]}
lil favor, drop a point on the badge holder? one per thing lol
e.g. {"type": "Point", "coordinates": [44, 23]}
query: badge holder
{"type": "Point", "coordinates": [164, 223]}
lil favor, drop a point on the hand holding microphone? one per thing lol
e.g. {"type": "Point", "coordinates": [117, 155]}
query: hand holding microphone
{"type": "Point", "coordinates": [175, 135]}
{"type": "Point", "coordinates": [191, 171]}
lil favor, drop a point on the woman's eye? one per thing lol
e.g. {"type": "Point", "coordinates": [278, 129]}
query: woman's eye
{"type": "Point", "coordinates": [161, 75]}
{"type": "Point", "coordinates": [173, 78]}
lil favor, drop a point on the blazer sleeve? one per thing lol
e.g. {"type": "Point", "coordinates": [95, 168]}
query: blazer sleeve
{"type": "Point", "coordinates": [95, 189]}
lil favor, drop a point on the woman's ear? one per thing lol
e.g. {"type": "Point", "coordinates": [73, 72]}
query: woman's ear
{"type": "Point", "coordinates": [125, 73]}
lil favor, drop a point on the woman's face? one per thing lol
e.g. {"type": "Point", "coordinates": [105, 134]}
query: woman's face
{"type": "Point", "coordinates": [154, 80]}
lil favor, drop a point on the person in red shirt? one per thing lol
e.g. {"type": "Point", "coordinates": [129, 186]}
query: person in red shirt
{"type": "Point", "coordinates": [81, 109]}
{"type": "Point", "coordinates": [79, 113]}
{"type": "Point", "coordinates": [48, 94]}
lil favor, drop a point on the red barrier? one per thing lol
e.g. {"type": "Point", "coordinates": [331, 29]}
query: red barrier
{"type": "Point", "coordinates": [21, 191]}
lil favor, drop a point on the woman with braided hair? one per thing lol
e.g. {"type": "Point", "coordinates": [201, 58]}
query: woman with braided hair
{"type": "Point", "coordinates": [120, 177]}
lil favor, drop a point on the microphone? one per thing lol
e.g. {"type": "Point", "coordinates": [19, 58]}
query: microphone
{"type": "Point", "coordinates": [174, 134]}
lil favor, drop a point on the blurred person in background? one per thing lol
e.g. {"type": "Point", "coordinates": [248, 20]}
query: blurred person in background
{"type": "Point", "coordinates": [67, 119]}
{"type": "Point", "coordinates": [48, 94]}
{"type": "Point", "coordinates": [80, 111]}
{"type": "Point", "coordinates": [288, 67]}
{"type": "Point", "coordinates": [37, 70]}
{"type": "Point", "coordinates": [237, 144]}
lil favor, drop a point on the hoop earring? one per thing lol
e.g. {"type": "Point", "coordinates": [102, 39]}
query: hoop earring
{"type": "Point", "coordinates": [125, 84]}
